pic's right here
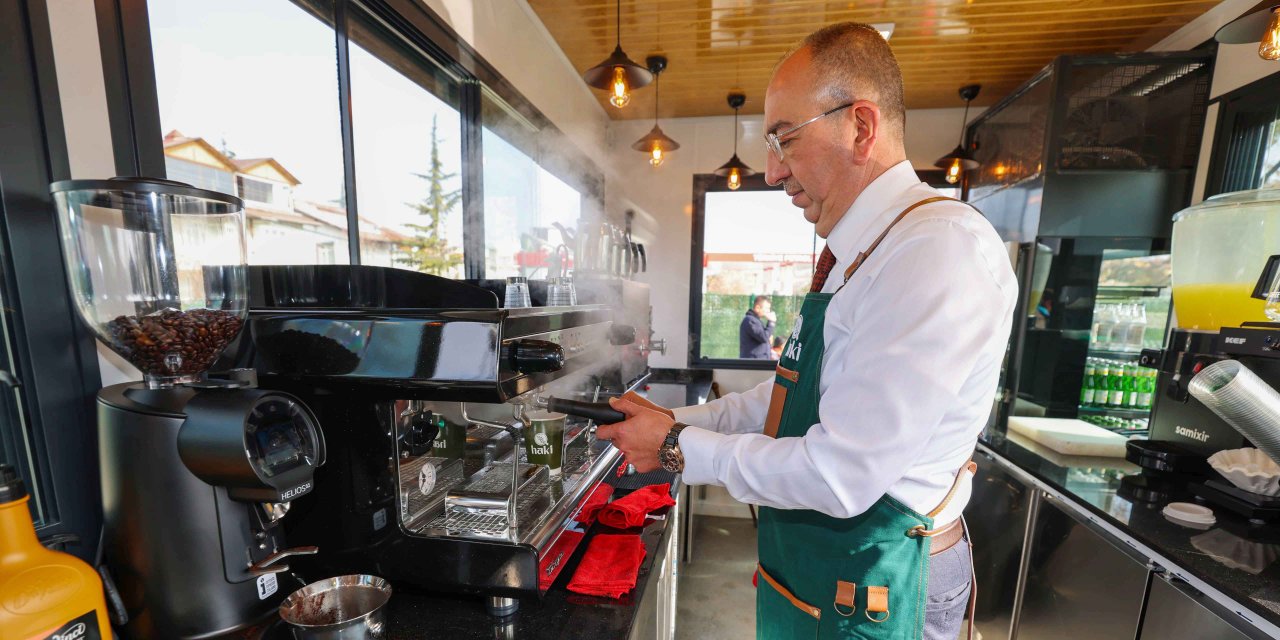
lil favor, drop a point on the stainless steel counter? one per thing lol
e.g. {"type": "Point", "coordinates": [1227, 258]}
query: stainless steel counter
{"type": "Point", "coordinates": [1064, 549]}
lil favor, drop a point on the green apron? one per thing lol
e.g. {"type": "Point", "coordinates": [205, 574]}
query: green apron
{"type": "Point", "coordinates": [824, 577]}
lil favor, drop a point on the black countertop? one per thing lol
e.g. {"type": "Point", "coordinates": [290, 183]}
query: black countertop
{"type": "Point", "coordinates": [560, 614]}
{"type": "Point", "coordinates": [1232, 556]}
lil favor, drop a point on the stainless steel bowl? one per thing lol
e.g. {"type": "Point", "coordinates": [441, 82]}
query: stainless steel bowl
{"type": "Point", "coordinates": [341, 608]}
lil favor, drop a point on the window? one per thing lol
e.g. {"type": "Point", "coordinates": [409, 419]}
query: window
{"type": "Point", "coordinates": [523, 201]}
{"type": "Point", "coordinates": [254, 190]}
{"type": "Point", "coordinates": [408, 149]}
{"type": "Point", "coordinates": [255, 115]}
{"type": "Point", "coordinates": [748, 244]}
{"type": "Point", "coordinates": [334, 117]}
{"type": "Point", "coordinates": [1246, 146]}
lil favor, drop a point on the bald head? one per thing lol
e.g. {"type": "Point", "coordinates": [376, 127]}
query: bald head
{"type": "Point", "coordinates": [852, 61]}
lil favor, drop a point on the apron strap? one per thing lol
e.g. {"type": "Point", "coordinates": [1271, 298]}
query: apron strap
{"type": "Point", "coordinates": [862, 256]}
{"type": "Point", "coordinates": [969, 467]}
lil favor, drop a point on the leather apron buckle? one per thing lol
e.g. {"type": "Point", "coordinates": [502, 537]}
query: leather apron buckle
{"type": "Point", "coordinates": [877, 602]}
{"type": "Point", "coordinates": [846, 596]}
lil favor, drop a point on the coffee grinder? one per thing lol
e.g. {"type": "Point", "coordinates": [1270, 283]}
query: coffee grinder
{"type": "Point", "coordinates": [197, 471]}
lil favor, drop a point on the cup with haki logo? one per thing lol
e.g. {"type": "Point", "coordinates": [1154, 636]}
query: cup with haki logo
{"type": "Point", "coordinates": [544, 440]}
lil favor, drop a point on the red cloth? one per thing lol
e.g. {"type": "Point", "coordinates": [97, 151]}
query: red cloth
{"type": "Point", "coordinates": [610, 565]}
{"type": "Point", "coordinates": [630, 510]}
{"type": "Point", "coordinates": [597, 500]}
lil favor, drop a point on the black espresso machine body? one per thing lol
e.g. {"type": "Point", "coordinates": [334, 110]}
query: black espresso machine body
{"type": "Point", "coordinates": [194, 483]}
{"type": "Point", "coordinates": [392, 361]}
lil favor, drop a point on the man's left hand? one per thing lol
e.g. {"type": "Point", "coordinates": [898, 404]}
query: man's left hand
{"type": "Point", "coordinates": [640, 436]}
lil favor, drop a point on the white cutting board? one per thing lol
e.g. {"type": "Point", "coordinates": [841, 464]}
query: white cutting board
{"type": "Point", "coordinates": [1070, 436]}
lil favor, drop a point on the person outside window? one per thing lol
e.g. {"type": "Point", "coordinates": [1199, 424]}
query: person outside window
{"type": "Point", "coordinates": [755, 334]}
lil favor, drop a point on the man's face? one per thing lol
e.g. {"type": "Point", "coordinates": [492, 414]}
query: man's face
{"type": "Point", "coordinates": [819, 157]}
{"type": "Point", "coordinates": [762, 308]}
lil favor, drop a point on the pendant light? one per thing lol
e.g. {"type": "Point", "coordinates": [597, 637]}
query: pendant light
{"type": "Point", "coordinates": [618, 74]}
{"type": "Point", "coordinates": [1262, 27]}
{"type": "Point", "coordinates": [959, 160]}
{"type": "Point", "coordinates": [656, 143]}
{"type": "Point", "coordinates": [735, 169]}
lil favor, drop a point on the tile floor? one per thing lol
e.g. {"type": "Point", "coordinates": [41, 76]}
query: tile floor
{"type": "Point", "coordinates": [715, 600]}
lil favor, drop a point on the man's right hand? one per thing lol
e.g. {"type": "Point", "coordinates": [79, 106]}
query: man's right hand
{"type": "Point", "coordinates": [771, 317]}
{"type": "Point", "coordinates": [640, 400]}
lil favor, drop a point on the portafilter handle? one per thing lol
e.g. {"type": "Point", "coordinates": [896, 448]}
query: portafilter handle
{"type": "Point", "coordinates": [268, 564]}
{"type": "Point", "coordinates": [601, 412]}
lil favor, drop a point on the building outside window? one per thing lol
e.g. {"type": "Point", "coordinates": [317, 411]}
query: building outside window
{"type": "Point", "coordinates": [275, 140]}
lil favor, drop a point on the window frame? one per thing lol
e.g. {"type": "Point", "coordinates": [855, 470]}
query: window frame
{"type": "Point", "coordinates": [134, 114]}
{"type": "Point", "coordinates": [704, 183]}
{"type": "Point", "coordinates": [1232, 107]}
{"type": "Point", "coordinates": [57, 362]}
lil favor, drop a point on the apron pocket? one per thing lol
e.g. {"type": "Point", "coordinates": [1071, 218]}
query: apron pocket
{"type": "Point", "coordinates": [780, 614]}
{"type": "Point", "coordinates": [888, 595]}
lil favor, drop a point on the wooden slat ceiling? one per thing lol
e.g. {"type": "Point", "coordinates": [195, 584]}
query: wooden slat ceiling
{"type": "Point", "coordinates": [715, 46]}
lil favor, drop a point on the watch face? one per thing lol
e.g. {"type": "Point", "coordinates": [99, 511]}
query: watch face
{"type": "Point", "coordinates": [671, 460]}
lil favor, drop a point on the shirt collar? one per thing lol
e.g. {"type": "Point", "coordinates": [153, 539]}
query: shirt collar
{"type": "Point", "coordinates": [875, 202]}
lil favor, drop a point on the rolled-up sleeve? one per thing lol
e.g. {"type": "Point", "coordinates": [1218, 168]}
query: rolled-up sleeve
{"type": "Point", "coordinates": [914, 335]}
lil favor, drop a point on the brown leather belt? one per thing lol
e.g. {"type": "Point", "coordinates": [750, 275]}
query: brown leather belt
{"type": "Point", "coordinates": [946, 537]}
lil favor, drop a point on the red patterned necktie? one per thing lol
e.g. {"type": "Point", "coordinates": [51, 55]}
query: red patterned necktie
{"type": "Point", "coordinates": [826, 262]}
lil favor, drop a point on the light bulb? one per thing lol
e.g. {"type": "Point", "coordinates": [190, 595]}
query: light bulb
{"type": "Point", "coordinates": [1269, 48]}
{"type": "Point", "coordinates": [953, 172]}
{"type": "Point", "coordinates": [656, 158]}
{"type": "Point", "coordinates": [735, 179]}
{"type": "Point", "coordinates": [621, 92]}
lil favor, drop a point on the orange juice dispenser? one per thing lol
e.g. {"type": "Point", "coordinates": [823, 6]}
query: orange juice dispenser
{"type": "Point", "coordinates": [1220, 246]}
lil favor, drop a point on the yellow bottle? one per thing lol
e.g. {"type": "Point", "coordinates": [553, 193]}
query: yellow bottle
{"type": "Point", "coordinates": [44, 595]}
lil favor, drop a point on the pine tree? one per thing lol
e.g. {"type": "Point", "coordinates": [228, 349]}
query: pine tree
{"type": "Point", "coordinates": [429, 250]}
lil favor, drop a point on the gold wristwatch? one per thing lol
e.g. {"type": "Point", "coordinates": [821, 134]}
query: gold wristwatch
{"type": "Point", "coordinates": [669, 455]}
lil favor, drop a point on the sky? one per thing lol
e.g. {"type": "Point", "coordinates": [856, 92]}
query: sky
{"type": "Point", "coordinates": [259, 76]}
{"type": "Point", "coordinates": [754, 222]}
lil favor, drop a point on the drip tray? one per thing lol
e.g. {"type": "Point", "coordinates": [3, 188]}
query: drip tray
{"type": "Point", "coordinates": [479, 508]}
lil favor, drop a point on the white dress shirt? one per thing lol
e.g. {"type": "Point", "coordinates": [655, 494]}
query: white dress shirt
{"type": "Point", "coordinates": [914, 345]}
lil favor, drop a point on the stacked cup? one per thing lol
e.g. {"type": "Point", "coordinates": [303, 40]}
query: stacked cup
{"type": "Point", "coordinates": [560, 292]}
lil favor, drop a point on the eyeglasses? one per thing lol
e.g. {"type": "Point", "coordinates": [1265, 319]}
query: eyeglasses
{"type": "Point", "coordinates": [774, 140]}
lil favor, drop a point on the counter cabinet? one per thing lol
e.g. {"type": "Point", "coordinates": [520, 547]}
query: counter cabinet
{"type": "Point", "coordinates": [1047, 569]}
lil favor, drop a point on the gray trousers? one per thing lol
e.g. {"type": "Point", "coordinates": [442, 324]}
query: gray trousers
{"type": "Point", "coordinates": [949, 574]}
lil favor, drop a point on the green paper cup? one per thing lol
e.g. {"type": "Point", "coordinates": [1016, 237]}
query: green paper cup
{"type": "Point", "coordinates": [451, 441]}
{"type": "Point", "coordinates": [544, 440]}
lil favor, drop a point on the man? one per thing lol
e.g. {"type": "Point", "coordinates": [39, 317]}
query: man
{"type": "Point", "coordinates": [858, 449]}
{"type": "Point", "coordinates": [755, 334]}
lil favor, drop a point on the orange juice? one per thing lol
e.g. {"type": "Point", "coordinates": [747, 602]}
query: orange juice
{"type": "Point", "coordinates": [1211, 306]}
{"type": "Point", "coordinates": [44, 595]}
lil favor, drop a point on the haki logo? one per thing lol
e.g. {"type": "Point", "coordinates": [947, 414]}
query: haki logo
{"type": "Point", "coordinates": [793, 344]}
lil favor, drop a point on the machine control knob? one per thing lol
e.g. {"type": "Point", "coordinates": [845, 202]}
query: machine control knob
{"type": "Point", "coordinates": [535, 356]}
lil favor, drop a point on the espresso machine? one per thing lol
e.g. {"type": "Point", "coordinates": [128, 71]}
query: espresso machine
{"type": "Point", "coordinates": [423, 386]}
{"type": "Point", "coordinates": [197, 471]}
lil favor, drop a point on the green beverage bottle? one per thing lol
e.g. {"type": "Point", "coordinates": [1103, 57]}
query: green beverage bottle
{"type": "Point", "coordinates": [1115, 384]}
{"type": "Point", "coordinates": [1146, 388]}
{"type": "Point", "coordinates": [1130, 386]}
{"type": "Point", "coordinates": [1088, 386]}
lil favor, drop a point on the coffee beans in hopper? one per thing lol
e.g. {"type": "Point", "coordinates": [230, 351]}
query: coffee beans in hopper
{"type": "Point", "coordinates": [173, 342]}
